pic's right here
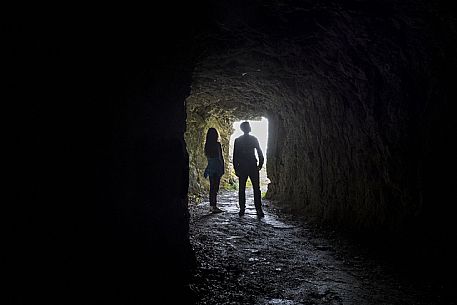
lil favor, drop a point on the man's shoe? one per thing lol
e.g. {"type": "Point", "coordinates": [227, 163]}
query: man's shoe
{"type": "Point", "coordinates": [241, 213]}
{"type": "Point", "coordinates": [260, 214]}
{"type": "Point", "coordinates": [215, 209]}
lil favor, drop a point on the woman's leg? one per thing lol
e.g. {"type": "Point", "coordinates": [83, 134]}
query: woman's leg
{"type": "Point", "coordinates": [214, 182]}
{"type": "Point", "coordinates": [212, 191]}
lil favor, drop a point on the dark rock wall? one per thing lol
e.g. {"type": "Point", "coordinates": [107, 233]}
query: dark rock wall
{"type": "Point", "coordinates": [102, 166]}
{"type": "Point", "coordinates": [355, 138]}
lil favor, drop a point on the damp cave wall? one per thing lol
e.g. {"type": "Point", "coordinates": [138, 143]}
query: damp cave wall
{"type": "Point", "coordinates": [366, 145]}
{"type": "Point", "coordinates": [98, 121]}
{"type": "Point", "coordinates": [367, 138]}
{"type": "Point", "coordinates": [360, 99]}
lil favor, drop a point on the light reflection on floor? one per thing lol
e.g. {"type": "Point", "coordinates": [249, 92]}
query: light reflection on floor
{"type": "Point", "coordinates": [228, 202]}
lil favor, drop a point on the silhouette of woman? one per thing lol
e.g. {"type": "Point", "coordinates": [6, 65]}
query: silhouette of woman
{"type": "Point", "coordinates": [215, 168]}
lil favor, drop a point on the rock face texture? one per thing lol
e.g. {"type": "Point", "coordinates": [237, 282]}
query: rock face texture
{"type": "Point", "coordinates": [359, 96]}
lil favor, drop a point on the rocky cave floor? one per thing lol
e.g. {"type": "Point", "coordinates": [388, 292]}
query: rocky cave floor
{"type": "Point", "coordinates": [282, 259]}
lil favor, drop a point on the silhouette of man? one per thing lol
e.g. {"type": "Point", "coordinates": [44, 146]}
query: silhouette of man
{"type": "Point", "coordinates": [245, 164]}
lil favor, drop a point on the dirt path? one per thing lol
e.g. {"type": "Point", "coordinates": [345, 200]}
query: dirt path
{"type": "Point", "coordinates": [279, 260]}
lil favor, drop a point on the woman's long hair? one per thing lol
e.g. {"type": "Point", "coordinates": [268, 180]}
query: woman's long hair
{"type": "Point", "coordinates": [211, 147]}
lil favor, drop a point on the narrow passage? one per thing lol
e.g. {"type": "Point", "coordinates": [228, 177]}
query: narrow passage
{"type": "Point", "coordinates": [284, 260]}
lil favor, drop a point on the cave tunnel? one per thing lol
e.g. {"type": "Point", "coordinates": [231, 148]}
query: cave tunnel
{"type": "Point", "coordinates": [109, 116]}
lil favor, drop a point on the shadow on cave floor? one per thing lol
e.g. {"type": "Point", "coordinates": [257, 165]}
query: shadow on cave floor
{"type": "Point", "coordinates": [284, 260]}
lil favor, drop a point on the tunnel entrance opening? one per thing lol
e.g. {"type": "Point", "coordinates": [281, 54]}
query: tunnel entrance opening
{"type": "Point", "coordinates": [260, 131]}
